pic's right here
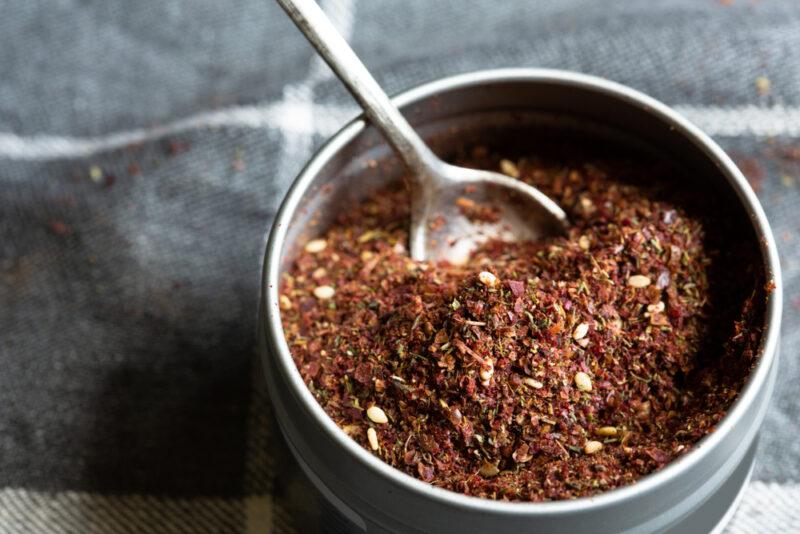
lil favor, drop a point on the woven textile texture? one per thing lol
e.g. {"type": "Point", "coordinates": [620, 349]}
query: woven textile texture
{"type": "Point", "coordinates": [144, 148]}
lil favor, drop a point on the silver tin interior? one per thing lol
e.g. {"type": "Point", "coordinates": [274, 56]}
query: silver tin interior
{"type": "Point", "coordinates": [693, 494]}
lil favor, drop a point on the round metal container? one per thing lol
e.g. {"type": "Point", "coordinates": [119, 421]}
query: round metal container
{"type": "Point", "coordinates": [696, 493]}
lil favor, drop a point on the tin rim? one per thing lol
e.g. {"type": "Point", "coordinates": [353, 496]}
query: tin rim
{"type": "Point", "coordinates": [758, 377]}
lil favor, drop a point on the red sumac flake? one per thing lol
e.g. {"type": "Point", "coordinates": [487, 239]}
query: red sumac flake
{"type": "Point", "coordinates": [479, 372]}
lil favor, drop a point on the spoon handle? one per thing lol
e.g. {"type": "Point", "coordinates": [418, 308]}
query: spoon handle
{"type": "Point", "coordinates": [330, 44]}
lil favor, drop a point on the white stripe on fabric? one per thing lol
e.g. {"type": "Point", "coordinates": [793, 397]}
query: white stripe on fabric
{"type": "Point", "coordinates": [299, 118]}
{"type": "Point", "coordinates": [744, 121]}
{"type": "Point", "coordinates": [288, 115]}
{"type": "Point", "coordinates": [24, 511]}
{"type": "Point", "coordinates": [259, 514]}
{"type": "Point", "coordinates": [298, 107]}
{"type": "Point", "coordinates": [768, 508]}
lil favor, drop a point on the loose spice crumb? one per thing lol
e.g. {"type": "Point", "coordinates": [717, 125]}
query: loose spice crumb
{"type": "Point", "coordinates": [95, 173]}
{"type": "Point", "coordinates": [488, 470]}
{"type": "Point", "coordinates": [60, 228]}
{"type": "Point", "coordinates": [465, 203]}
{"type": "Point", "coordinates": [238, 163]}
{"type": "Point", "coordinates": [351, 430]}
{"type": "Point", "coordinates": [763, 85]}
{"type": "Point", "coordinates": [173, 147]}
{"type": "Point", "coordinates": [478, 213]}
{"type": "Point", "coordinates": [753, 171]}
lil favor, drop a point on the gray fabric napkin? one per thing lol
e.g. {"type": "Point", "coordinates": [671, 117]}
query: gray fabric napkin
{"type": "Point", "coordinates": [144, 148]}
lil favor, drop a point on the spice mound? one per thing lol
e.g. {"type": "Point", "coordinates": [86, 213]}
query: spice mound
{"type": "Point", "coordinates": [536, 371]}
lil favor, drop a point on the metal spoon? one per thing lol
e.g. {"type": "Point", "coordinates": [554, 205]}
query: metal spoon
{"type": "Point", "coordinates": [439, 229]}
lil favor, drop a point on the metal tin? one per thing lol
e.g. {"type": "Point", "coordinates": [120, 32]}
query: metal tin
{"type": "Point", "coordinates": [696, 493]}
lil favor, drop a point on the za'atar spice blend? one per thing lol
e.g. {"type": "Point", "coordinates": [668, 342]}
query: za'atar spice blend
{"type": "Point", "coordinates": [536, 371]}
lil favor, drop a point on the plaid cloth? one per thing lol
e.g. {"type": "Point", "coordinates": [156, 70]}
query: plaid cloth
{"type": "Point", "coordinates": [144, 147]}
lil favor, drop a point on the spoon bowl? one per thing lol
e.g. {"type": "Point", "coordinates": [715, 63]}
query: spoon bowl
{"type": "Point", "coordinates": [466, 207]}
{"type": "Point", "coordinates": [438, 229]}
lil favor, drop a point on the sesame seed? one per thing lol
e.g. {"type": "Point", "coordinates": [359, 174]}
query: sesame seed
{"type": "Point", "coordinates": [638, 281]}
{"type": "Point", "coordinates": [586, 204]}
{"type": "Point", "coordinates": [583, 382]}
{"type": "Point", "coordinates": [535, 384]}
{"type": "Point", "coordinates": [372, 437]}
{"type": "Point", "coordinates": [580, 331]}
{"type": "Point", "coordinates": [658, 307]}
{"type": "Point", "coordinates": [508, 168]}
{"type": "Point", "coordinates": [606, 431]}
{"type": "Point", "coordinates": [487, 279]}
{"type": "Point", "coordinates": [463, 202]}
{"type": "Point", "coordinates": [369, 235]}
{"type": "Point", "coordinates": [285, 303]}
{"type": "Point", "coordinates": [487, 372]}
{"type": "Point", "coordinates": [319, 273]}
{"type": "Point", "coordinates": [376, 415]}
{"type": "Point", "coordinates": [316, 245]}
{"type": "Point", "coordinates": [324, 292]}
{"type": "Point", "coordinates": [592, 447]}
{"type": "Point", "coordinates": [584, 242]}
